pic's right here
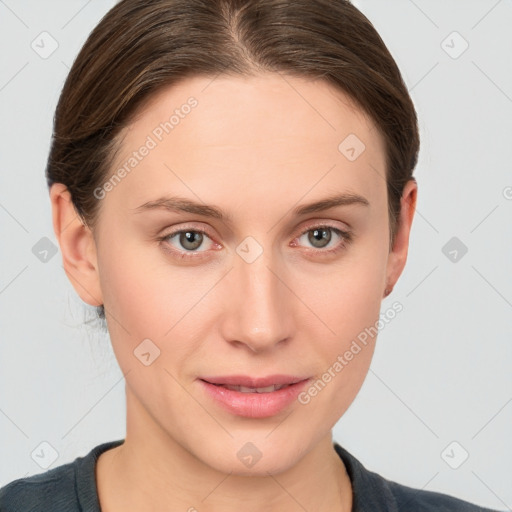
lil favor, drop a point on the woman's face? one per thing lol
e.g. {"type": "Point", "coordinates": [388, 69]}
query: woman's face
{"type": "Point", "coordinates": [261, 290]}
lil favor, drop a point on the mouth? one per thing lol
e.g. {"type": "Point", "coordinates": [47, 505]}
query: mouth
{"type": "Point", "coordinates": [245, 389]}
{"type": "Point", "coordinates": [253, 397]}
{"type": "Point", "coordinates": [246, 381]}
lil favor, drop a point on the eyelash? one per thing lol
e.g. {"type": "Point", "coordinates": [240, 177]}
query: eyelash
{"type": "Point", "coordinates": [346, 236]}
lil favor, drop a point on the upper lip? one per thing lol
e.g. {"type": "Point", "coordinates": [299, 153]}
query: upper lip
{"type": "Point", "coordinates": [253, 382]}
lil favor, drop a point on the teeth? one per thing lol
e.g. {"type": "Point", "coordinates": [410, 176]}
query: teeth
{"type": "Point", "coordinates": [244, 389]}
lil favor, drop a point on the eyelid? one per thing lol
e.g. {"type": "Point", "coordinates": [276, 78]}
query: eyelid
{"type": "Point", "coordinates": [313, 224]}
{"type": "Point", "coordinates": [186, 227]}
{"type": "Point", "coordinates": [173, 232]}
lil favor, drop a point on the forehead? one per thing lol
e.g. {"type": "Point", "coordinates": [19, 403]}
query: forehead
{"type": "Point", "coordinates": [260, 132]}
{"type": "Point", "coordinates": [234, 106]}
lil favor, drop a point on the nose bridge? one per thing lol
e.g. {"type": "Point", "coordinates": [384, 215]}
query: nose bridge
{"type": "Point", "coordinates": [260, 301]}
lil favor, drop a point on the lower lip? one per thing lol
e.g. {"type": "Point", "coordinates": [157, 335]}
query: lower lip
{"type": "Point", "coordinates": [254, 405]}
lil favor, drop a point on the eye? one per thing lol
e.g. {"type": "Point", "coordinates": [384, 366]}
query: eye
{"type": "Point", "coordinates": [321, 236]}
{"type": "Point", "coordinates": [186, 242]}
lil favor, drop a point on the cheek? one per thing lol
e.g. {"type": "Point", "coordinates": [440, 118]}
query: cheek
{"type": "Point", "coordinates": [149, 299]}
{"type": "Point", "coordinates": [140, 289]}
{"type": "Point", "coordinates": [347, 299]}
{"type": "Point", "coordinates": [344, 358]}
{"type": "Point", "coordinates": [347, 296]}
{"type": "Point", "coordinates": [146, 295]}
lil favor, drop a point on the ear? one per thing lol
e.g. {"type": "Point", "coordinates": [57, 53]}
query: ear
{"type": "Point", "coordinates": [77, 246]}
{"type": "Point", "coordinates": [398, 254]}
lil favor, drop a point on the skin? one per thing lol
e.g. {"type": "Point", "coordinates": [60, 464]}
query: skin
{"type": "Point", "coordinates": [256, 147]}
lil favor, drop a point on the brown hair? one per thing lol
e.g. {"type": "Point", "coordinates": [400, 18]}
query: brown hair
{"type": "Point", "coordinates": [142, 46]}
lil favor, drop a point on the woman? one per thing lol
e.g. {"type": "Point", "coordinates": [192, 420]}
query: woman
{"type": "Point", "coordinates": [231, 185]}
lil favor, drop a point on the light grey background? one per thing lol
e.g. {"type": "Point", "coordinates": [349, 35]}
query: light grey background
{"type": "Point", "coordinates": [442, 368]}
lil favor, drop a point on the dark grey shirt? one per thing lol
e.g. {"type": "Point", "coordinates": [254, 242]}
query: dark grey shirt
{"type": "Point", "coordinates": [71, 487]}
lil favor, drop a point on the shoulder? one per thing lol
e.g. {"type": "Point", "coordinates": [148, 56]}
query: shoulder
{"type": "Point", "coordinates": [374, 493]}
{"type": "Point", "coordinates": [51, 490]}
{"type": "Point", "coordinates": [408, 498]}
{"type": "Point", "coordinates": [69, 487]}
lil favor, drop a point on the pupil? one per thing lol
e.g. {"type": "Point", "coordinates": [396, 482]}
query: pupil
{"type": "Point", "coordinates": [188, 237]}
{"type": "Point", "coordinates": [320, 235]}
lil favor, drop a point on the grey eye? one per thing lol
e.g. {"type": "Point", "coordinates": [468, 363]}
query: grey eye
{"type": "Point", "coordinates": [320, 237]}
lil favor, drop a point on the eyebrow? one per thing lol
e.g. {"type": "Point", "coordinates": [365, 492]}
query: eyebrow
{"type": "Point", "coordinates": [181, 204]}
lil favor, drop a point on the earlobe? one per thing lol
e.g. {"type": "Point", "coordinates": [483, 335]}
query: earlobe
{"type": "Point", "coordinates": [398, 255]}
{"type": "Point", "coordinates": [77, 246]}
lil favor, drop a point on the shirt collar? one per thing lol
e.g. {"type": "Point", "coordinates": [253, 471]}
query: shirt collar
{"type": "Point", "coordinates": [370, 491]}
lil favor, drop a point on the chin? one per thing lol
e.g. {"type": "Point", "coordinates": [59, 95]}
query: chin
{"type": "Point", "coordinates": [250, 458]}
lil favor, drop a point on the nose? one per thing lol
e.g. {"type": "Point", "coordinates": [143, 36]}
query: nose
{"type": "Point", "coordinates": [259, 312]}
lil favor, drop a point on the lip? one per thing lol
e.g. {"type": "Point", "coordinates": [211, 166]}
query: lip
{"type": "Point", "coordinates": [253, 405]}
{"type": "Point", "coordinates": [254, 382]}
